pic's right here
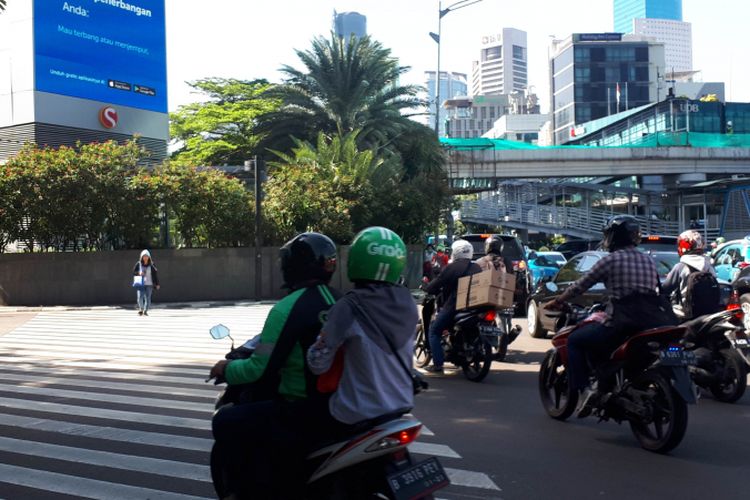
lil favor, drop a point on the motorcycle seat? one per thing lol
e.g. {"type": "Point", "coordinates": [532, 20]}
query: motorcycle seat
{"type": "Point", "coordinates": [660, 334]}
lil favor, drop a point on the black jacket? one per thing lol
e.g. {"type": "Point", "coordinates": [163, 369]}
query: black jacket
{"type": "Point", "coordinates": [154, 272]}
{"type": "Point", "coordinates": [446, 284]}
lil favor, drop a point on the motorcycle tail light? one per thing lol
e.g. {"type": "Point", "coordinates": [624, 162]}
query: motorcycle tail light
{"type": "Point", "coordinates": [490, 316]}
{"type": "Point", "coordinates": [734, 305]}
{"type": "Point", "coordinates": [519, 265]}
{"type": "Point", "coordinates": [743, 265]}
{"type": "Point", "coordinates": [401, 438]}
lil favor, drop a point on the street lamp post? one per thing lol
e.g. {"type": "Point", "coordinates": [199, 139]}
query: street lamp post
{"type": "Point", "coordinates": [442, 12]}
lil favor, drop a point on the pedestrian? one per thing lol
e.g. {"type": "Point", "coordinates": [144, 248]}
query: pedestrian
{"type": "Point", "coordinates": [146, 269]}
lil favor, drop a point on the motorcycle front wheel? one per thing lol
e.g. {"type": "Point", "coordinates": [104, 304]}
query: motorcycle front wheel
{"type": "Point", "coordinates": [733, 383]}
{"type": "Point", "coordinates": [219, 473]}
{"type": "Point", "coordinates": [558, 399]}
{"type": "Point", "coordinates": [665, 425]}
{"type": "Point", "coordinates": [478, 359]}
{"type": "Point", "coordinates": [422, 356]}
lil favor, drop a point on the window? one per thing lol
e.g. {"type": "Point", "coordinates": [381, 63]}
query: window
{"type": "Point", "coordinates": [519, 52]}
{"type": "Point", "coordinates": [493, 53]}
{"type": "Point", "coordinates": [569, 273]}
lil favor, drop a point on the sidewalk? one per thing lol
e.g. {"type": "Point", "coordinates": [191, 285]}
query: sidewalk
{"type": "Point", "coordinates": [169, 305]}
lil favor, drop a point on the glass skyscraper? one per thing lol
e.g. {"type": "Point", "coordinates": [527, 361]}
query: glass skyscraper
{"type": "Point", "coordinates": [627, 10]}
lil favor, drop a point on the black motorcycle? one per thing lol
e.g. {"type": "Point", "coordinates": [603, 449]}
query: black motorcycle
{"type": "Point", "coordinates": [468, 344]}
{"type": "Point", "coordinates": [722, 355]}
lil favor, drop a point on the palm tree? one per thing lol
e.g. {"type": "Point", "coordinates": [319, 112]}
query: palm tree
{"type": "Point", "coordinates": [347, 85]}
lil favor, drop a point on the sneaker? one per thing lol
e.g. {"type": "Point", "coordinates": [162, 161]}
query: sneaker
{"type": "Point", "coordinates": [140, 313]}
{"type": "Point", "coordinates": [434, 369]}
{"type": "Point", "coordinates": [145, 313]}
{"type": "Point", "coordinates": [587, 401]}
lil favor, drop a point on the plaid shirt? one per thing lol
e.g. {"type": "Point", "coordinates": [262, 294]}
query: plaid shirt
{"type": "Point", "coordinates": [623, 272]}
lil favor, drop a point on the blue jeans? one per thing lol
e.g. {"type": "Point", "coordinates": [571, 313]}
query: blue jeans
{"type": "Point", "coordinates": [594, 342]}
{"type": "Point", "coordinates": [144, 297]}
{"type": "Point", "coordinates": [443, 321]}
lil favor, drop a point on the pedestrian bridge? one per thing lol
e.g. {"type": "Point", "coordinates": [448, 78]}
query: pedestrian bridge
{"type": "Point", "coordinates": [480, 169]}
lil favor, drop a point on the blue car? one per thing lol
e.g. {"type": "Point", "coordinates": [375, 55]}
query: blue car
{"type": "Point", "coordinates": [730, 258]}
{"type": "Point", "coordinates": [544, 265]}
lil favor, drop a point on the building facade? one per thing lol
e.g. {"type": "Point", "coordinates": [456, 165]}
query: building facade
{"type": "Point", "coordinates": [470, 117]}
{"type": "Point", "coordinates": [502, 67]}
{"type": "Point", "coordinates": [346, 24]}
{"type": "Point", "coordinates": [451, 85]}
{"type": "Point", "coordinates": [520, 128]}
{"type": "Point", "coordinates": [625, 11]}
{"type": "Point", "coordinates": [599, 74]}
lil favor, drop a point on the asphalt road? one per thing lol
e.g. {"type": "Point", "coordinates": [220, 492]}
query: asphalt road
{"type": "Point", "coordinates": [499, 428]}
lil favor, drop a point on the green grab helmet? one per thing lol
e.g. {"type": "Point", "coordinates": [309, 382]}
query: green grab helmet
{"type": "Point", "coordinates": [376, 254]}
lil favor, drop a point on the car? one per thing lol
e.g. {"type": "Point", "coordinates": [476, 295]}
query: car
{"type": "Point", "coordinates": [515, 259]}
{"type": "Point", "coordinates": [658, 243]}
{"type": "Point", "coordinates": [544, 265]}
{"type": "Point", "coordinates": [539, 323]}
{"type": "Point", "coordinates": [574, 247]}
{"type": "Point", "coordinates": [730, 258]}
{"type": "Point", "coordinates": [665, 261]}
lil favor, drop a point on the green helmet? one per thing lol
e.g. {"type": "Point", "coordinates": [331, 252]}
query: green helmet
{"type": "Point", "coordinates": [376, 254]}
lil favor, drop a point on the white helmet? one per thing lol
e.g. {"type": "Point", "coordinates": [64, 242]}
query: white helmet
{"type": "Point", "coordinates": [461, 249]}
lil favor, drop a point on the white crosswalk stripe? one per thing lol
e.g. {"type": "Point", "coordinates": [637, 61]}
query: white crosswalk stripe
{"type": "Point", "coordinates": [107, 404]}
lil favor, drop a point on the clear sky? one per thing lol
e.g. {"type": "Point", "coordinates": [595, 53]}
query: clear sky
{"type": "Point", "coordinates": [250, 39]}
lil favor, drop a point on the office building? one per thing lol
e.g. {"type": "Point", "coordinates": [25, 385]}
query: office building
{"type": "Point", "coordinates": [520, 128]}
{"type": "Point", "coordinates": [451, 85]}
{"type": "Point", "coordinates": [502, 67]}
{"type": "Point", "coordinates": [625, 11]}
{"type": "Point", "coordinates": [599, 74]}
{"type": "Point", "coordinates": [346, 24]}
{"type": "Point", "coordinates": [662, 20]}
{"type": "Point", "coordinates": [470, 117]}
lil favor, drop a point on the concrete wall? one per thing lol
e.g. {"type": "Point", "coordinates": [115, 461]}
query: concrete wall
{"type": "Point", "coordinates": [102, 278]}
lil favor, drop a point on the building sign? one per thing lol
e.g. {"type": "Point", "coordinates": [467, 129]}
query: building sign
{"type": "Point", "coordinates": [577, 131]}
{"type": "Point", "coordinates": [492, 39]}
{"type": "Point", "coordinates": [597, 37]}
{"type": "Point", "coordinates": [108, 117]}
{"type": "Point", "coordinates": [112, 51]}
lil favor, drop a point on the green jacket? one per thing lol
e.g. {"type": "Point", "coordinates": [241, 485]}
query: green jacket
{"type": "Point", "coordinates": [291, 327]}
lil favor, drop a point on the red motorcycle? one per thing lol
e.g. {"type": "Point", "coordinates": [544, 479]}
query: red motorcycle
{"type": "Point", "coordinates": [645, 382]}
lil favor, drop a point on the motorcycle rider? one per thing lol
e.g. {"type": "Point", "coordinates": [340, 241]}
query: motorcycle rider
{"type": "Point", "coordinates": [691, 249]}
{"type": "Point", "coordinates": [364, 352]}
{"type": "Point", "coordinates": [630, 277]}
{"type": "Point", "coordinates": [493, 259]}
{"type": "Point", "coordinates": [446, 284]}
{"type": "Point", "coordinates": [277, 369]}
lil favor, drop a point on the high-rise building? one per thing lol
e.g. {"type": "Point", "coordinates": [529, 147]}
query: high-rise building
{"type": "Point", "coordinates": [599, 74]}
{"type": "Point", "coordinates": [346, 24]}
{"type": "Point", "coordinates": [451, 85]}
{"type": "Point", "coordinates": [627, 10]}
{"type": "Point", "coordinates": [662, 20]}
{"type": "Point", "coordinates": [502, 67]}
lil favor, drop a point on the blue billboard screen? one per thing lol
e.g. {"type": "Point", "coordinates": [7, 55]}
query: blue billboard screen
{"type": "Point", "coordinates": [112, 51]}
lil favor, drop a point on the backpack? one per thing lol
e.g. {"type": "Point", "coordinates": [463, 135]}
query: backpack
{"type": "Point", "coordinates": [702, 295]}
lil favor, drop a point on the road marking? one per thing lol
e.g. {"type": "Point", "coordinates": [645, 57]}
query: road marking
{"type": "Point", "coordinates": [108, 433]}
{"type": "Point", "coordinates": [82, 487]}
{"type": "Point", "coordinates": [439, 450]}
{"type": "Point", "coordinates": [182, 470]}
{"type": "Point", "coordinates": [125, 416]}
{"type": "Point", "coordinates": [471, 479]}
{"type": "Point", "coordinates": [139, 367]}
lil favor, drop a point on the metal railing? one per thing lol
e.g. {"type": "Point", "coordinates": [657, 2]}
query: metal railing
{"type": "Point", "coordinates": [556, 218]}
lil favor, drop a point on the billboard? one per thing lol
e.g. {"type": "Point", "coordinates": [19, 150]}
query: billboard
{"type": "Point", "coordinates": [112, 51]}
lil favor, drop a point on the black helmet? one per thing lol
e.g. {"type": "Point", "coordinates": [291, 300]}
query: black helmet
{"type": "Point", "coordinates": [621, 231]}
{"type": "Point", "coordinates": [493, 244]}
{"type": "Point", "coordinates": [306, 258]}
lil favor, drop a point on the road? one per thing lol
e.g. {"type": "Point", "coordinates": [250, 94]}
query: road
{"type": "Point", "coordinates": [107, 404]}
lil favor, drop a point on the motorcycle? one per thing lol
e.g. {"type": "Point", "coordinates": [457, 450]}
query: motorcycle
{"type": "Point", "coordinates": [645, 382]}
{"type": "Point", "coordinates": [467, 345]}
{"type": "Point", "coordinates": [722, 353]}
{"type": "Point", "coordinates": [374, 462]}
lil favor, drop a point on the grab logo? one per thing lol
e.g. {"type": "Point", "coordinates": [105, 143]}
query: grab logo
{"type": "Point", "coordinates": [108, 117]}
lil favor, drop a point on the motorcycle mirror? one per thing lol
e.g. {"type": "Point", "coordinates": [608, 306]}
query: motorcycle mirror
{"type": "Point", "coordinates": [219, 332]}
{"type": "Point", "coordinates": [550, 286]}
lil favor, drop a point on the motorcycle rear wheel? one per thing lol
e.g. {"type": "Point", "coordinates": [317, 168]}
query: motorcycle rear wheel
{"type": "Point", "coordinates": [668, 423]}
{"type": "Point", "coordinates": [219, 473]}
{"type": "Point", "coordinates": [558, 399]}
{"type": "Point", "coordinates": [422, 356]}
{"type": "Point", "coordinates": [478, 360]}
{"type": "Point", "coordinates": [733, 385]}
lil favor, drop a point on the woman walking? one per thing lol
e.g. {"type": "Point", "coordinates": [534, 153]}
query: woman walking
{"type": "Point", "coordinates": [147, 270]}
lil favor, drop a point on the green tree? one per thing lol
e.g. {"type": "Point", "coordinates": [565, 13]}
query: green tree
{"type": "Point", "coordinates": [346, 85]}
{"type": "Point", "coordinates": [220, 130]}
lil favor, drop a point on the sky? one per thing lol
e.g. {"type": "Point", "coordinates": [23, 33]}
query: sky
{"type": "Point", "coordinates": [249, 39]}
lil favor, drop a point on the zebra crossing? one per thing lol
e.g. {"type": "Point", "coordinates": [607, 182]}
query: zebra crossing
{"type": "Point", "coordinates": [106, 404]}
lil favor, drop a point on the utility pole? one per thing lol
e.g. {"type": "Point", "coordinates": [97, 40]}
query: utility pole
{"type": "Point", "coordinates": [258, 186]}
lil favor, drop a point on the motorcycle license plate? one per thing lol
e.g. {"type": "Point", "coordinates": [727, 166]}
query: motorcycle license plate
{"type": "Point", "coordinates": [740, 343]}
{"type": "Point", "coordinates": [489, 331]}
{"type": "Point", "coordinates": [418, 480]}
{"type": "Point", "coordinates": [677, 357]}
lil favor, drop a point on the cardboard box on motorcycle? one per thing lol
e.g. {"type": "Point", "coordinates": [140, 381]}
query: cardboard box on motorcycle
{"type": "Point", "coordinates": [488, 288]}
